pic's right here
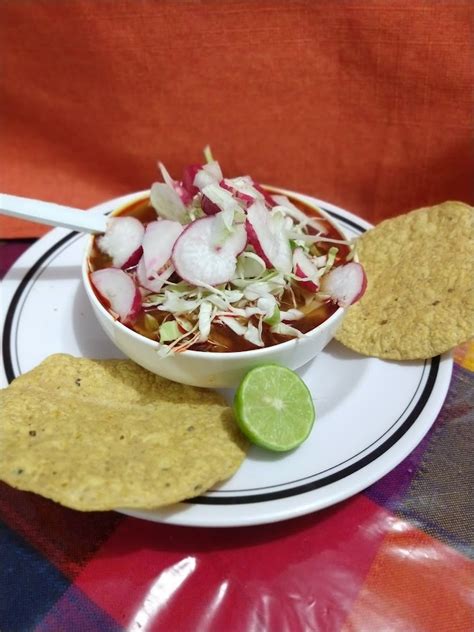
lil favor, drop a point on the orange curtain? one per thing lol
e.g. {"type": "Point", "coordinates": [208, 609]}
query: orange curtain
{"type": "Point", "coordinates": [366, 104]}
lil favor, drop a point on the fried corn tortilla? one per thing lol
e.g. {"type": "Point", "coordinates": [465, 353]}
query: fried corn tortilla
{"type": "Point", "coordinates": [419, 300]}
{"type": "Point", "coordinates": [102, 434]}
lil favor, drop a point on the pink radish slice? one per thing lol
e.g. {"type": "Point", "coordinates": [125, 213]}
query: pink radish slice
{"type": "Point", "coordinates": [188, 179]}
{"type": "Point", "coordinates": [134, 259]}
{"type": "Point", "coordinates": [209, 173]}
{"type": "Point", "coordinates": [245, 197]}
{"type": "Point", "coordinates": [198, 261]}
{"type": "Point", "coordinates": [345, 284]}
{"type": "Point", "coordinates": [269, 238]}
{"type": "Point", "coordinates": [122, 241]}
{"type": "Point", "coordinates": [305, 269]}
{"type": "Point", "coordinates": [254, 242]}
{"type": "Point", "coordinates": [239, 195]}
{"type": "Point", "coordinates": [226, 186]}
{"type": "Point", "coordinates": [153, 282]}
{"type": "Point", "coordinates": [268, 198]}
{"type": "Point", "coordinates": [209, 207]}
{"type": "Point", "coordinates": [158, 242]}
{"type": "Point", "coordinates": [119, 290]}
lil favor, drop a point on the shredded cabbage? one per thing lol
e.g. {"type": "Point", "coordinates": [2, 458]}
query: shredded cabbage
{"type": "Point", "coordinates": [168, 331]}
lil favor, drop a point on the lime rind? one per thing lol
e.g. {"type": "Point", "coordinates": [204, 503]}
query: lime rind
{"type": "Point", "coordinates": [274, 408]}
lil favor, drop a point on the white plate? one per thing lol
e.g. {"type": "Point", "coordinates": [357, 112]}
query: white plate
{"type": "Point", "coordinates": [370, 413]}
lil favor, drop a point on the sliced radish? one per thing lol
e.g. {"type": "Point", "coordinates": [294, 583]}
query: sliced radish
{"type": "Point", "coordinates": [255, 243]}
{"type": "Point", "coordinates": [209, 173]}
{"type": "Point", "coordinates": [119, 290]}
{"type": "Point", "coordinates": [243, 189]}
{"type": "Point", "coordinates": [154, 268]}
{"type": "Point", "coordinates": [188, 179]}
{"type": "Point", "coordinates": [133, 259]}
{"type": "Point", "coordinates": [152, 281]}
{"type": "Point", "coordinates": [345, 284]}
{"type": "Point", "coordinates": [266, 234]}
{"type": "Point", "coordinates": [209, 207]}
{"type": "Point", "coordinates": [306, 270]}
{"type": "Point", "coordinates": [122, 241]}
{"type": "Point", "coordinates": [198, 261]}
{"type": "Point", "coordinates": [158, 242]}
{"type": "Point", "coordinates": [268, 198]}
{"type": "Point", "coordinates": [224, 184]}
{"type": "Point", "coordinates": [222, 198]}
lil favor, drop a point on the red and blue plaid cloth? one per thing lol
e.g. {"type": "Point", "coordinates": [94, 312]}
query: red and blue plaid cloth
{"type": "Point", "coordinates": [398, 557]}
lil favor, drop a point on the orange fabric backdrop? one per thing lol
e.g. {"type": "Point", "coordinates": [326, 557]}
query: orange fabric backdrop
{"type": "Point", "coordinates": [366, 104]}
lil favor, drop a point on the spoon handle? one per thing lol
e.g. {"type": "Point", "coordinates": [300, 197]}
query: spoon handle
{"type": "Point", "coordinates": [52, 214]}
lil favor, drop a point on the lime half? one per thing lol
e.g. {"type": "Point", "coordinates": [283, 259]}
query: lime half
{"type": "Point", "coordinates": [274, 408]}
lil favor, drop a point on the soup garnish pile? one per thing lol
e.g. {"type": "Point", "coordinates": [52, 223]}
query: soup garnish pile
{"type": "Point", "coordinates": [220, 264]}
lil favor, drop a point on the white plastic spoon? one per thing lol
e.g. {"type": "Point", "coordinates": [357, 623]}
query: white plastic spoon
{"type": "Point", "coordinates": [51, 214]}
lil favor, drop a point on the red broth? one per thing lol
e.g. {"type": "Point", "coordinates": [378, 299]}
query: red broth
{"type": "Point", "coordinates": [222, 339]}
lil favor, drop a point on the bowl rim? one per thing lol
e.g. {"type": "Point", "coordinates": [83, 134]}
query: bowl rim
{"type": "Point", "coordinates": [85, 269]}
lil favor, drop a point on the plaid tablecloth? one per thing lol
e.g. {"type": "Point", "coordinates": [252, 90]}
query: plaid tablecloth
{"type": "Point", "coordinates": [398, 557]}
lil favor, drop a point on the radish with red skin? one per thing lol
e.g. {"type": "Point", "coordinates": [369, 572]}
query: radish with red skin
{"type": "Point", "coordinates": [226, 186]}
{"type": "Point", "coordinates": [214, 196]}
{"type": "Point", "coordinates": [209, 173]}
{"type": "Point", "coordinates": [152, 281]}
{"type": "Point", "coordinates": [268, 198]}
{"type": "Point", "coordinates": [154, 268]}
{"type": "Point", "coordinates": [209, 207]}
{"type": "Point", "coordinates": [122, 241]}
{"type": "Point", "coordinates": [239, 195]}
{"type": "Point", "coordinates": [266, 234]}
{"type": "Point", "coordinates": [345, 284]}
{"type": "Point", "coordinates": [188, 179]}
{"type": "Point", "coordinates": [134, 259]}
{"type": "Point", "coordinates": [117, 287]}
{"type": "Point", "coordinates": [201, 262]}
{"type": "Point", "coordinates": [306, 270]}
{"type": "Point", "coordinates": [245, 197]}
{"type": "Point", "coordinates": [254, 242]}
{"type": "Point", "coordinates": [160, 237]}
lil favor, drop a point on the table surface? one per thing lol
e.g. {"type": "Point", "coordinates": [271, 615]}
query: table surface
{"type": "Point", "coordinates": [398, 556]}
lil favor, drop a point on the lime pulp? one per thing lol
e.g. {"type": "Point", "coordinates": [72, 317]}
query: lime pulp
{"type": "Point", "coordinates": [274, 408]}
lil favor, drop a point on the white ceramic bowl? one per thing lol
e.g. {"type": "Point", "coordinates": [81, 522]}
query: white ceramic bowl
{"type": "Point", "coordinates": [207, 369]}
